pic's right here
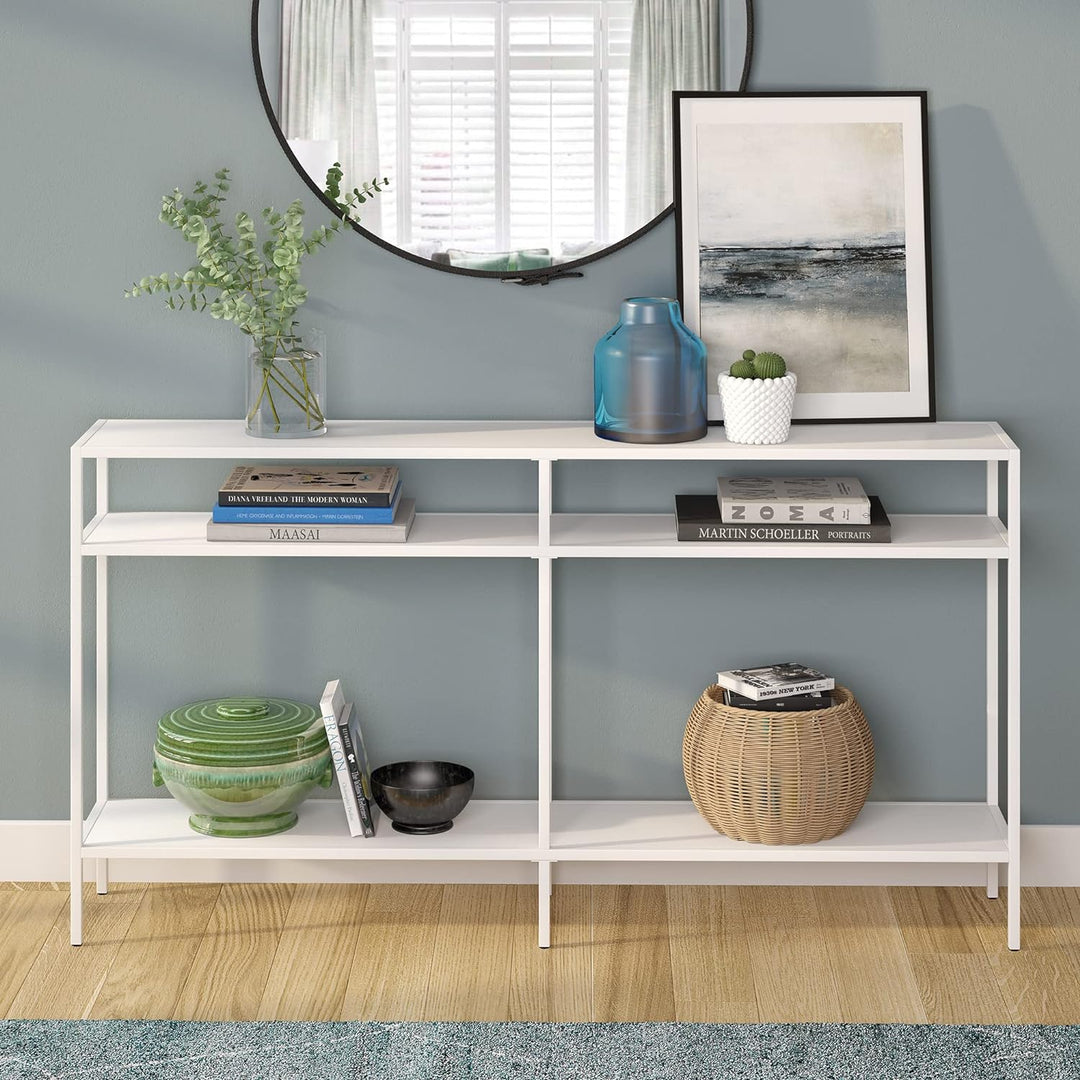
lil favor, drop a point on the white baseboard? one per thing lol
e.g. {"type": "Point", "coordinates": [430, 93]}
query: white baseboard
{"type": "Point", "coordinates": [34, 850]}
{"type": "Point", "coordinates": [38, 851]}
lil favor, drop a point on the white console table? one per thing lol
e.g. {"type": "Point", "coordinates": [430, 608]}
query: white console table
{"type": "Point", "coordinates": [545, 831]}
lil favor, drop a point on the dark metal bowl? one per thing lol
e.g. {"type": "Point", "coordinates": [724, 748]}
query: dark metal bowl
{"type": "Point", "coordinates": [422, 797]}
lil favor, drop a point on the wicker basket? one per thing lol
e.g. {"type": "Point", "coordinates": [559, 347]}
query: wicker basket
{"type": "Point", "coordinates": [774, 777]}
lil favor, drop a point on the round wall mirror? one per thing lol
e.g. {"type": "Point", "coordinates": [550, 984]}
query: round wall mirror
{"type": "Point", "coordinates": [507, 138]}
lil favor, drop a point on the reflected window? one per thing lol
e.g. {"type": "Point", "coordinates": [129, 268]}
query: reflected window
{"type": "Point", "coordinates": [515, 133]}
{"type": "Point", "coordinates": [508, 117]}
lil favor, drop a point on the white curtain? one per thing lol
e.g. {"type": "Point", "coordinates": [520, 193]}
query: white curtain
{"type": "Point", "coordinates": [674, 45]}
{"type": "Point", "coordinates": [328, 89]}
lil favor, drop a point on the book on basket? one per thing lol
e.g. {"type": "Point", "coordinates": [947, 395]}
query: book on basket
{"type": "Point", "coordinates": [397, 532]}
{"type": "Point", "coordinates": [304, 485]}
{"type": "Point", "coordinates": [820, 699]}
{"type": "Point", "coordinates": [783, 499]}
{"type": "Point", "coordinates": [774, 681]}
{"type": "Point", "coordinates": [698, 518]}
{"type": "Point", "coordinates": [353, 783]}
{"type": "Point", "coordinates": [309, 515]}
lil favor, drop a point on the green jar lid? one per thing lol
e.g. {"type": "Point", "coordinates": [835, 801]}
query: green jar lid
{"type": "Point", "coordinates": [241, 732]}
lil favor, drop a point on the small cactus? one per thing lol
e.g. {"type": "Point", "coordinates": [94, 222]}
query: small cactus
{"type": "Point", "coordinates": [762, 365]}
{"type": "Point", "coordinates": [769, 365]}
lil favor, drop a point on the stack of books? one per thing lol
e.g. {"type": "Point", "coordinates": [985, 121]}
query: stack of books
{"type": "Point", "coordinates": [784, 509]}
{"type": "Point", "coordinates": [785, 687]}
{"type": "Point", "coordinates": [305, 504]}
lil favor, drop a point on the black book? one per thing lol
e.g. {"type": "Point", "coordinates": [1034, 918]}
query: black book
{"type": "Point", "coordinates": [821, 699]}
{"type": "Point", "coordinates": [698, 518]}
{"type": "Point", "coordinates": [356, 761]}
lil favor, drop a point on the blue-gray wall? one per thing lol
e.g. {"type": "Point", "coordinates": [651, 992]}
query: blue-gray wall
{"type": "Point", "coordinates": [110, 104]}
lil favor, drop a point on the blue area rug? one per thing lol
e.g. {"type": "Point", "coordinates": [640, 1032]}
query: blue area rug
{"type": "Point", "coordinates": [279, 1050]}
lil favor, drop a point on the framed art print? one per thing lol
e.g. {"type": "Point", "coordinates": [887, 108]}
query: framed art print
{"type": "Point", "coordinates": [802, 226]}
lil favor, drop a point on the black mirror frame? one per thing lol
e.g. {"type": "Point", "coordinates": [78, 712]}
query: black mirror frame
{"type": "Point", "coordinates": [540, 276]}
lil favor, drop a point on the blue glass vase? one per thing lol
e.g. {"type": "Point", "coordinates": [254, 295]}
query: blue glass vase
{"type": "Point", "coordinates": [649, 376]}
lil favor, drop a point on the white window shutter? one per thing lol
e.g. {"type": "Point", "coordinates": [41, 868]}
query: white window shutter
{"type": "Point", "coordinates": [509, 119]}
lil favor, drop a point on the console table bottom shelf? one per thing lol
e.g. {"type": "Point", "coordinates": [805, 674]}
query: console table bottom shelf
{"type": "Point", "coordinates": [619, 831]}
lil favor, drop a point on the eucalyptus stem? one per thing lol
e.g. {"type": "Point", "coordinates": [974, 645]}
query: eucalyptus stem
{"type": "Point", "coordinates": [300, 367]}
{"type": "Point", "coordinates": [295, 392]}
{"type": "Point", "coordinates": [303, 397]}
{"type": "Point", "coordinates": [273, 408]}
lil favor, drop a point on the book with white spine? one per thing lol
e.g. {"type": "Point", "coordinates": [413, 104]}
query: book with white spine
{"type": "Point", "coordinates": [775, 681]}
{"type": "Point", "coordinates": [787, 499]}
{"type": "Point", "coordinates": [333, 708]}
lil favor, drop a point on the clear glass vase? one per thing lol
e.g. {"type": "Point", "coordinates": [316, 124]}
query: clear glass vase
{"type": "Point", "coordinates": [286, 391]}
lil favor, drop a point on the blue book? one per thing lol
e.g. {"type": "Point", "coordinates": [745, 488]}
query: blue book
{"type": "Point", "coordinates": [309, 515]}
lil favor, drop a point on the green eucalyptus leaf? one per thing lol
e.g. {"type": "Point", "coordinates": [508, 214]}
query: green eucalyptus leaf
{"type": "Point", "coordinates": [255, 282]}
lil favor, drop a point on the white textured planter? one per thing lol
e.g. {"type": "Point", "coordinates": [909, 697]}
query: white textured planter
{"type": "Point", "coordinates": [757, 411]}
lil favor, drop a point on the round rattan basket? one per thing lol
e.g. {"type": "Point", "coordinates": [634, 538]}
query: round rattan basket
{"type": "Point", "coordinates": [775, 777]}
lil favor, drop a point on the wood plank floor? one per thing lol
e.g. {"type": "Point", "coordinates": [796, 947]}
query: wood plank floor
{"type": "Point", "coordinates": [468, 952]}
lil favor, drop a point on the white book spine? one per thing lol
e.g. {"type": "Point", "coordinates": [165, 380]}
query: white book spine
{"type": "Point", "coordinates": [734, 510]}
{"type": "Point", "coordinates": [793, 499]}
{"type": "Point", "coordinates": [757, 693]}
{"type": "Point", "coordinates": [341, 767]}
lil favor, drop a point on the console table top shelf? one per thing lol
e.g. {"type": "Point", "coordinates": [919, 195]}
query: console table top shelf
{"type": "Point", "coordinates": [540, 440]}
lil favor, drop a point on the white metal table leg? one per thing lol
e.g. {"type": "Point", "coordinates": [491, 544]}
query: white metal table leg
{"type": "Point", "coordinates": [544, 716]}
{"type": "Point", "coordinates": [543, 780]}
{"type": "Point", "coordinates": [76, 692]}
{"type": "Point", "coordinates": [101, 665]}
{"type": "Point", "coordinates": [544, 904]}
{"type": "Point", "coordinates": [993, 672]}
{"type": "Point", "coordinates": [1013, 701]}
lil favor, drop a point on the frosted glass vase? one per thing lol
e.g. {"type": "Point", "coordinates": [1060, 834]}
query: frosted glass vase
{"type": "Point", "coordinates": [649, 376]}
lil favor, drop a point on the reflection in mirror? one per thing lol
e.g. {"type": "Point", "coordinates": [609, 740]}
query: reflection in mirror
{"type": "Point", "coordinates": [516, 134]}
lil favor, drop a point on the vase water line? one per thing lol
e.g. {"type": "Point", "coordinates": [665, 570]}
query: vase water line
{"type": "Point", "coordinates": [286, 389]}
{"type": "Point", "coordinates": [649, 376]}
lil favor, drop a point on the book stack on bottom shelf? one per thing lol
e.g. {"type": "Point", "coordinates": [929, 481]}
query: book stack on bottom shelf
{"type": "Point", "coordinates": [793, 509]}
{"type": "Point", "coordinates": [299, 504]}
{"type": "Point", "coordinates": [784, 687]}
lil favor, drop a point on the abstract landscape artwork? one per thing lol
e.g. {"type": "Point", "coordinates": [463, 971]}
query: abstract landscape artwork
{"type": "Point", "coordinates": [802, 230]}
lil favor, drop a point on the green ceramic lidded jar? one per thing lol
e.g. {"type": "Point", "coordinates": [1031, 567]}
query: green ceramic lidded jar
{"type": "Point", "coordinates": [243, 765]}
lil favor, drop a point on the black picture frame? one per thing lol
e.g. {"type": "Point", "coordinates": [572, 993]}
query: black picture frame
{"type": "Point", "coordinates": [762, 255]}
